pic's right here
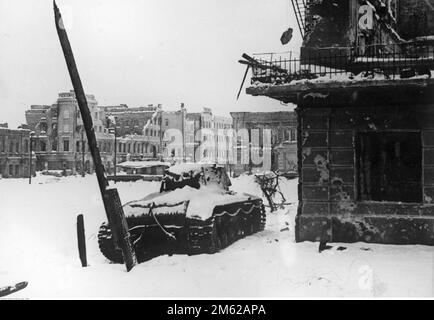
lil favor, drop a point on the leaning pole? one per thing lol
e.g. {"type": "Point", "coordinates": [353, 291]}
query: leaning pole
{"type": "Point", "coordinates": [110, 196]}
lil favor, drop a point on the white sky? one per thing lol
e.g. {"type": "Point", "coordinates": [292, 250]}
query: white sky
{"type": "Point", "coordinates": [139, 52]}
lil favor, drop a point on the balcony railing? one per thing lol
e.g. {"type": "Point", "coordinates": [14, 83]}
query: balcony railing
{"type": "Point", "coordinates": [401, 61]}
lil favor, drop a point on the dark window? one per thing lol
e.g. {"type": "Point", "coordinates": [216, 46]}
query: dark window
{"type": "Point", "coordinates": [65, 145]}
{"type": "Point", "coordinates": [17, 147]}
{"type": "Point", "coordinates": [287, 135]}
{"type": "Point", "coordinates": [43, 146]}
{"type": "Point", "coordinates": [389, 166]}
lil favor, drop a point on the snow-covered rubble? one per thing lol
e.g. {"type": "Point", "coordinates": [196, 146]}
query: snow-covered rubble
{"type": "Point", "coordinates": [38, 244]}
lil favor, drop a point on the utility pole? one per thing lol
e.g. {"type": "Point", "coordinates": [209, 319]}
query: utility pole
{"type": "Point", "coordinates": [110, 196]}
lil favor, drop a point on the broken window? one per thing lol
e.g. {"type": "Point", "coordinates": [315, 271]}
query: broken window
{"type": "Point", "coordinates": [65, 145]}
{"type": "Point", "coordinates": [389, 166]}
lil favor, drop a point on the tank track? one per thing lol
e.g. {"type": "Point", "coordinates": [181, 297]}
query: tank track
{"type": "Point", "coordinates": [228, 224]}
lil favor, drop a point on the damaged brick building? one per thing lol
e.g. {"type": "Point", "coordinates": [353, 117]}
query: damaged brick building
{"type": "Point", "coordinates": [365, 108]}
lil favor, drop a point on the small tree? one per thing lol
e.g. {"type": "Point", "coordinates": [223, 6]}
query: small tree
{"type": "Point", "coordinates": [269, 184]}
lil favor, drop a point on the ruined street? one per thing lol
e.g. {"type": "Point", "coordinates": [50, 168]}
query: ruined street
{"type": "Point", "coordinates": [39, 245]}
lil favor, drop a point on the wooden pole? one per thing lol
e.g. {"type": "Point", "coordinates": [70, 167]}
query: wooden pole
{"type": "Point", "coordinates": [110, 197]}
{"type": "Point", "coordinates": [81, 240]}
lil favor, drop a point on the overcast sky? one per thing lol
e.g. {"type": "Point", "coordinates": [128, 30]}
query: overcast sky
{"type": "Point", "coordinates": [139, 52]}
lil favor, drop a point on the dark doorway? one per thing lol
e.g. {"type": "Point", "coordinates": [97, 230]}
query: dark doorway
{"type": "Point", "coordinates": [389, 166]}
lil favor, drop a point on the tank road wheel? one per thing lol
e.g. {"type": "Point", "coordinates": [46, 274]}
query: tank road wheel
{"type": "Point", "coordinates": [263, 218]}
{"type": "Point", "coordinates": [106, 245]}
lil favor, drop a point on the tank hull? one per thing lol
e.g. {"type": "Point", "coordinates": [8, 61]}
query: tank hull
{"type": "Point", "coordinates": [154, 234]}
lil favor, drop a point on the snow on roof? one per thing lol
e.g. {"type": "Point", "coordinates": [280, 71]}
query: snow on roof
{"type": "Point", "coordinates": [142, 164]}
{"type": "Point", "coordinates": [201, 205]}
{"type": "Point", "coordinates": [344, 78]}
{"type": "Point", "coordinates": [187, 167]}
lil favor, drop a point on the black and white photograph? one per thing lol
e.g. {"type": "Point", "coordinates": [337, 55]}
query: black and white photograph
{"type": "Point", "coordinates": [216, 149]}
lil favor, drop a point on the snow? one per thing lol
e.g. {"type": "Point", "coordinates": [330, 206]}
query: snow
{"type": "Point", "coordinates": [187, 167]}
{"type": "Point", "coordinates": [345, 78]}
{"type": "Point", "coordinates": [38, 244]}
{"type": "Point", "coordinates": [201, 201]}
{"type": "Point", "coordinates": [142, 164]}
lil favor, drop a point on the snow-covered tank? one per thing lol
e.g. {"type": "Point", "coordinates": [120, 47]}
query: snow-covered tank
{"type": "Point", "coordinates": [194, 212]}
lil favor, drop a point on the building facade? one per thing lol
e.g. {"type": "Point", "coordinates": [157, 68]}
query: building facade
{"type": "Point", "coordinates": [15, 153]}
{"type": "Point", "coordinates": [209, 137]}
{"type": "Point", "coordinates": [61, 143]}
{"type": "Point", "coordinates": [282, 145]}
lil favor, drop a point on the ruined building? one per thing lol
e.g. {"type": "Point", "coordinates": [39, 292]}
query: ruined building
{"type": "Point", "coordinates": [365, 109]}
{"type": "Point", "coordinates": [283, 139]}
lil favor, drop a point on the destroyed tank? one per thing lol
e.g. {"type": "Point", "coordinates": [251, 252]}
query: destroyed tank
{"type": "Point", "coordinates": [193, 213]}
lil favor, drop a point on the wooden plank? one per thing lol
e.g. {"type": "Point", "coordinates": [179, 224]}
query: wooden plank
{"type": "Point", "coordinates": [119, 227]}
{"type": "Point", "coordinates": [341, 139]}
{"type": "Point", "coordinates": [81, 240]}
{"type": "Point", "coordinates": [314, 139]}
{"type": "Point", "coordinates": [315, 193]}
{"type": "Point", "coordinates": [342, 120]}
{"type": "Point", "coordinates": [315, 208]}
{"type": "Point", "coordinates": [342, 157]}
{"type": "Point", "coordinates": [313, 175]}
{"type": "Point", "coordinates": [312, 157]}
{"type": "Point", "coordinates": [342, 193]}
{"type": "Point", "coordinates": [310, 228]}
{"type": "Point", "coordinates": [341, 175]}
{"type": "Point", "coordinates": [314, 122]}
{"type": "Point", "coordinates": [428, 155]}
{"type": "Point", "coordinates": [428, 138]}
{"type": "Point", "coordinates": [428, 176]}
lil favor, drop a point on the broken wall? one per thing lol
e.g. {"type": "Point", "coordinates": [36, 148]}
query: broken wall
{"type": "Point", "coordinates": [329, 206]}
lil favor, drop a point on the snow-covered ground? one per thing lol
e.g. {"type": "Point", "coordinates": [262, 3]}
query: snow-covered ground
{"type": "Point", "coordinates": [38, 244]}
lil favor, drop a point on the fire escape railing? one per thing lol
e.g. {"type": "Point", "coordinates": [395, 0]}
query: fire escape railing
{"type": "Point", "coordinates": [392, 61]}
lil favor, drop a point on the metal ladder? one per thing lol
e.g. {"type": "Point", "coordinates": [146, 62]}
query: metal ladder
{"type": "Point", "coordinates": [299, 7]}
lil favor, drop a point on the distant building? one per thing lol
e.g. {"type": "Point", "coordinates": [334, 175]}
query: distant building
{"type": "Point", "coordinates": [14, 153]}
{"type": "Point", "coordinates": [283, 139]}
{"type": "Point", "coordinates": [204, 140]}
{"type": "Point", "coordinates": [60, 136]}
{"type": "Point", "coordinates": [129, 121]}
{"type": "Point", "coordinates": [174, 130]}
